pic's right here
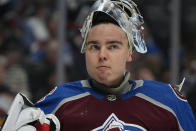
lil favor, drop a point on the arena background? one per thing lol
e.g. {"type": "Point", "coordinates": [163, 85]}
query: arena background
{"type": "Point", "coordinates": [40, 46]}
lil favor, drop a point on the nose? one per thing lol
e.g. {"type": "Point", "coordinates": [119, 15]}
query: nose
{"type": "Point", "coordinates": [103, 54]}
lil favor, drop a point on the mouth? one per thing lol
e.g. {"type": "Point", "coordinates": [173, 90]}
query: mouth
{"type": "Point", "coordinates": [102, 68]}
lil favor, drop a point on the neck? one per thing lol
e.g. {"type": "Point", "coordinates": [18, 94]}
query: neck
{"type": "Point", "coordinates": [119, 89]}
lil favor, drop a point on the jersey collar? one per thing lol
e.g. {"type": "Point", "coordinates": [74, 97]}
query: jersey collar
{"type": "Point", "coordinates": [124, 87]}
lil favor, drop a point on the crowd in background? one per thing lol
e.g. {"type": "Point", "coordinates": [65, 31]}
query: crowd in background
{"type": "Point", "coordinates": [28, 46]}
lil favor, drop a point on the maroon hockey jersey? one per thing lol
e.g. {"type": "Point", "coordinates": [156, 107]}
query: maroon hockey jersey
{"type": "Point", "coordinates": [148, 105]}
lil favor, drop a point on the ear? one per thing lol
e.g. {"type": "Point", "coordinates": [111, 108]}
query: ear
{"type": "Point", "coordinates": [129, 58]}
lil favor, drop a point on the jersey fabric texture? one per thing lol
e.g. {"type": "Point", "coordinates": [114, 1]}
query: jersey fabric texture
{"type": "Point", "coordinates": [147, 106]}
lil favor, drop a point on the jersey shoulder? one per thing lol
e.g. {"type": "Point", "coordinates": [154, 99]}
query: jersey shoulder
{"type": "Point", "coordinates": [67, 91]}
{"type": "Point", "coordinates": [166, 96]}
{"type": "Point", "coordinates": [158, 89]}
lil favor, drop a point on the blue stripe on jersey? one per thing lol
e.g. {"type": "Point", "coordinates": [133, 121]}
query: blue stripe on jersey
{"type": "Point", "coordinates": [163, 93]}
{"type": "Point", "coordinates": [67, 90]}
{"type": "Point", "coordinates": [51, 101]}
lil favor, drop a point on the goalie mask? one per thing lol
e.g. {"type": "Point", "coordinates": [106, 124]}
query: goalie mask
{"type": "Point", "coordinates": [127, 16]}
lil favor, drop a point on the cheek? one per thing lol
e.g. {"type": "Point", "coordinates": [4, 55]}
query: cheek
{"type": "Point", "coordinates": [90, 60]}
{"type": "Point", "coordinates": [87, 60]}
{"type": "Point", "coordinates": [123, 58]}
{"type": "Point", "coordinates": [120, 63]}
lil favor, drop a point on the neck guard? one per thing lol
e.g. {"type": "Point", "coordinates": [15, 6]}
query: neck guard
{"type": "Point", "coordinates": [123, 88]}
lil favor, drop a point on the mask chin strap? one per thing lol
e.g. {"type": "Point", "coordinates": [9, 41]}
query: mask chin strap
{"type": "Point", "coordinates": [123, 88]}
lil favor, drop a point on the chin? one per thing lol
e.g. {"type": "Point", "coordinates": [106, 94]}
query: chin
{"type": "Point", "coordinates": [105, 82]}
{"type": "Point", "coordinates": [103, 78]}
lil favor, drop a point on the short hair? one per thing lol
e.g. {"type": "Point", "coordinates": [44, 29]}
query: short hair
{"type": "Point", "coordinates": [102, 18]}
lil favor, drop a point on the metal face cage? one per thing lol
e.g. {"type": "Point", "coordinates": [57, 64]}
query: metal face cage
{"type": "Point", "coordinates": [126, 14]}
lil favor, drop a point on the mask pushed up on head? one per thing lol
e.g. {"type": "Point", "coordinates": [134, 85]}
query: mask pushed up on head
{"type": "Point", "coordinates": [126, 14]}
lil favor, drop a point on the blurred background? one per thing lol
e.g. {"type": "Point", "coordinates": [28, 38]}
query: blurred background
{"type": "Point", "coordinates": [40, 46]}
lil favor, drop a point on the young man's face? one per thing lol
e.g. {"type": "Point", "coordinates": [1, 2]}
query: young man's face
{"type": "Point", "coordinates": [107, 53]}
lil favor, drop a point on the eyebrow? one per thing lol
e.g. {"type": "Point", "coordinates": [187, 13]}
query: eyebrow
{"type": "Point", "coordinates": [114, 41]}
{"type": "Point", "coordinates": [109, 42]}
{"type": "Point", "coordinates": [91, 42]}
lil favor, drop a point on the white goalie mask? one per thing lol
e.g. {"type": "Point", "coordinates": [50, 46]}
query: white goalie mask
{"type": "Point", "coordinates": [126, 14]}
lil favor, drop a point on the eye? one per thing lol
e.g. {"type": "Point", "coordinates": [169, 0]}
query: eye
{"type": "Point", "coordinates": [93, 47]}
{"type": "Point", "coordinates": [113, 47]}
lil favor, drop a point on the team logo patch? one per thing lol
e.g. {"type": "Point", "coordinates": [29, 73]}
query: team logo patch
{"type": "Point", "coordinates": [177, 93]}
{"type": "Point", "coordinates": [50, 93]}
{"type": "Point", "coordinates": [114, 124]}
